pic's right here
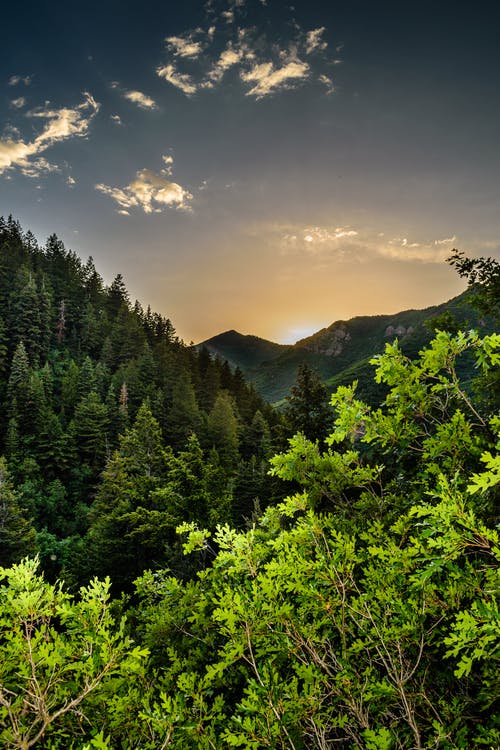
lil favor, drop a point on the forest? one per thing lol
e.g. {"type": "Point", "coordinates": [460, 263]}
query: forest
{"type": "Point", "coordinates": [184, 566]}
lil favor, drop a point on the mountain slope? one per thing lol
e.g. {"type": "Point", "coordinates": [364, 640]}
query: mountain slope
{"type": "Point", "coordinates": [342, 348]}
{"type": "Point", "coordinates": [245, 352]}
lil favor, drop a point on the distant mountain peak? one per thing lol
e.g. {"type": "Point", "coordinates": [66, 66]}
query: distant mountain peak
{"type": "Point", "coordinates": [341, 348]}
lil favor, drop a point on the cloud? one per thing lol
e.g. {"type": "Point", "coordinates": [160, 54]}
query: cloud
{"type": "Point", "coordinates": [39, 167]}
{"type": "Point", "coordinates": [16, 80]}
{"type": "Point", "coordinates": [116, 119]}
{"type": "Point", "coordinates": [18, 103]}
{"type": "Point", "coordinates": [168, 160]}
{"type": "Point", "coordinates": [314, 42]}
{"type": "Point", "coordinates": [268, 80]}
{"type": "Point", "coordinates": [199, 59]}
{"type": "Point", "coordinates": [357, 245]}
{"type": "Point", "coordinates": [61, 124]}
{"type": "Point", "coordinates": [136, 97]}
{"type": "Point", "coordinates": [327, 81]}
{"type": "Point", "coordinates": [149, 191]}
{"type": "Point", "coordinates": [142, 100]}
{"type": "Point", "coordinates": [181, 81]}
{"type": "Point", "coordinates": [186, 46]}
{"type": "Point", "coordinates": [227, 59]}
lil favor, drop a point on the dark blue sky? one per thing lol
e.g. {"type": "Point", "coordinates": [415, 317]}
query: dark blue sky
{"type": "Point", "coordinates": [264, 166]}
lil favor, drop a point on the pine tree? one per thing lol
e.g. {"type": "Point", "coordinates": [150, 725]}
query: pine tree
{"type": "Point", "coordinates": [223, 430]}
{"type": "Point", "coordinates": [183, 417]}
{"type": "Point", "coordinates": [88, 429]}
{"type": "Point", "coordinates": [19, 389]}
{"type": "Point", "coordinates": [128, 529]}
{"type": "Point", "coordinates": [17, 536]}
{"type": "Point", "coordinates": [307, 410]}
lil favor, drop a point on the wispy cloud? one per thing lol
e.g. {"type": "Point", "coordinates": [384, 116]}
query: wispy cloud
{"type": "Point", "coordinates": [142, 100]}
{"type": "Point", "coordinates": [200, 58]}
{"type": "Point", "coordinates": [60, 125]}
{"type": "Point", "coordinates": [136, 97]}
{"type": "Point", "coordinates": [18, 103]}
{"type": "Point", "coordinates": [150, 192]}
{"type": "Point", "coordinates": [181, 81]}
{"type": "Point", "coordinates": [315, 41]}
{"type": "Point", "coordinates": [16, 80]}
{"type": "Point", "coordinates": [189, 45]}
{"type": "Point", "coordinates": [327, 82]}
{"type": "Point", "coordinates": [267, 79]}
{"type": "Point", "coordinates": [346, 243]}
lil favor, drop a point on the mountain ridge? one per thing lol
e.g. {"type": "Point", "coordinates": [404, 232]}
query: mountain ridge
{"type": "Point", "coordinates": [343, 346]}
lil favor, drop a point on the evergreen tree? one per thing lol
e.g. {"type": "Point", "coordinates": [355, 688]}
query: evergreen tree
{"type": "Point", "coordinates": [128, 531]}
{"type": "Point", "coordinates": [19, 390]}
{"type": "Point", "coordinates": [17, 536]}
{"type": "Point", "coordinates": [183, 417]}
{"type": "Point", "coordinates": [88, 429]}
{"type": "Point", "coordinates": [223, 430]}
{"type": "Point", "coordinates": [307, 409]}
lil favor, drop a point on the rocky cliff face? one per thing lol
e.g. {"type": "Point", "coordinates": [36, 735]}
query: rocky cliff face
{"type": "Point", "coordinates": [398, 331]}
{"type": "Point", "coordinates": [330, 342]}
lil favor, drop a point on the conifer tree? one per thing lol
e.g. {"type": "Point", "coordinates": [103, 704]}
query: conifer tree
{"type": "Point", "coordinates": [223, 430]}
{"type": "Point", "coordinates": [89, 428]}
{"type": "Point", "coordinates": [307, 410]}
{"type": "Point", "coordinates": [17, 536]}
{"type": "Point", "coordinates": [183, 417]}
{"type": "Point", "coordinates": [128, 531]}
{"type": "Point", "coordinates": [18, 388]}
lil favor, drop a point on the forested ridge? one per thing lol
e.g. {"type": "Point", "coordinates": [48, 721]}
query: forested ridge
{"type": "Point", "coordinates": [183, 567]}
{"type": "Point", "coordinates": [81, 366]}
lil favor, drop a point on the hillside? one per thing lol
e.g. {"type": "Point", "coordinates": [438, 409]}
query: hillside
{"type": "Point", "coordinates": [339, 352]}
{"type": "Point", "coordinates": [243, 351]}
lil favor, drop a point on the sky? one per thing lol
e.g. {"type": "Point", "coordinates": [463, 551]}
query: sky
{"type": "Point", "coordinates": [257, 165]}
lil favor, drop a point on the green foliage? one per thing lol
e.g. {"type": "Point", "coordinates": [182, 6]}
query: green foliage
{"type": "Point", "coordinates": [17, 535]}
{"type": "Point", "coordinates": [307, 409]}
{"type": "Point", "coordinates": [371, 625]}
{"type": "Point", "coordinates": [58, 653]}
{"type": "Point", "coordinates": [359, 612]}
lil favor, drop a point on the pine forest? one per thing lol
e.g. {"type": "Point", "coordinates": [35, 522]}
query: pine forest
{"type": "Point", "coordinates": [184, 565]}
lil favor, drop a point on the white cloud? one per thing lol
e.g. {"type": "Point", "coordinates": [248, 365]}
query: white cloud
{"type": "Point", "coordinates": [228, 58]}
{"type": "Point", "coordinates": [116, 119]}
{"type": "Point", "coordinates": [268, 79]}
{"type": "Point", "coordinates": [16, 80]}
{"type": "Point", "coordinates": [70, 181]}
{"type": "Point", "coordinates": [149, 191]}
{"type": "Point", "coordinates": [327, 81]}
{"type": "Point", "coordinates": [142, 100]}
{"type": "Point", "coordinates": [185, 46]}
{"type": "Point", "coordinates": [357, 245]}
{"type": "Point", "coordinates": [446, 241]}
{"type": "Point", "coordinates": [38, 167]}
{"type": "Point", "coordinates": [314, 42]}
{"type": "Point", "coordinates": [182, 81]}
{"type": "Point", "coordinates": [195, 61]}
{"type": "Point", "coordinates": [168, 160]}
{"type": "Point", "coordinates": [18, 103]}
{"type": "Point", "coordinates": [61, 124]}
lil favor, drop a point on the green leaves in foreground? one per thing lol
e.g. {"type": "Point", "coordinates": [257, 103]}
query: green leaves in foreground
{"type": "Point", "coordinates": [359, 613]}
{"type": "Point", "coordinates": [58, 653]}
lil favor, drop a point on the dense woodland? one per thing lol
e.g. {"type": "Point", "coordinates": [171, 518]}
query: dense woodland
{"type": "Point", "coordinates": [185, 567]}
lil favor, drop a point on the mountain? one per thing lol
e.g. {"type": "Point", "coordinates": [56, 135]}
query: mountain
{"type": "Point", "coordinates": [340, 353]}
{"type": "Point", "coordinates": [245, 352]}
